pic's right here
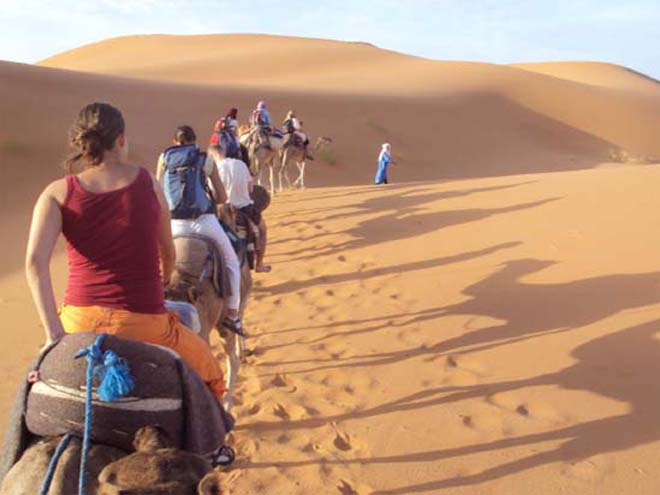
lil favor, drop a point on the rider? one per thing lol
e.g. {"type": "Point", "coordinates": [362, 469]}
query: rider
{"type": "Point", "coordinates": [193, 210]}
{"type": "Point", "coordinates": [239, 184]}
{"type": "Point", "coordinates": [116, 223]}
{"type": "Point", "coordinates": [260, 120]}
{"type": "Point", "coordinates": [225, 133]}
{"type": "Point", "coordinates": [293, 127]}
{"type": "Point", "coordinates": [231, 121]}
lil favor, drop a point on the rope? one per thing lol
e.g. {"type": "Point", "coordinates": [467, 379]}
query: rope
{"type": "Point", "coordinates": [50, 472]}
{"type": "Point", "coordinates": [115, 382]}
{"type": "Point", "coordinates": [94, 356]}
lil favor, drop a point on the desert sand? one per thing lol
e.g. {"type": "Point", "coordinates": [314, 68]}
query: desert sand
{"type": "Point", "coordinates": [487, 324]}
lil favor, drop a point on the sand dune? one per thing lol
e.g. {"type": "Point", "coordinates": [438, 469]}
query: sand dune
{"type": "Point", "coordinates": [595, 73]}
{"type": "Point", "coordinates": [488, 324]}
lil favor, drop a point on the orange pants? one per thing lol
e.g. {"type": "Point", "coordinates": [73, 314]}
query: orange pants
{"type": "Point", "coordinates": [160, 329]}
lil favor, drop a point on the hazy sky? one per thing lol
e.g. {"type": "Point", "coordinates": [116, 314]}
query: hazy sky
{"type": "Point", "coordinates": [624, 32]}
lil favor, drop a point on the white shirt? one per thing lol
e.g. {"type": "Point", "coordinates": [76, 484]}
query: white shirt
{"type": "Point", "coordinates": [236, 178]}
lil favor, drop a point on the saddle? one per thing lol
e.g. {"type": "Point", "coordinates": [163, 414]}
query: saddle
{"type": "Point", "coordinates": [190, 250]}
{"type": "Point", "coordinates": [293, 139]}
{"type": "Point", "coordinates": [165, 389]}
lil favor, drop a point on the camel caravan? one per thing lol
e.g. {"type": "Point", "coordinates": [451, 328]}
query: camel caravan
{"type": "Point", "coordinates": [127, 397]}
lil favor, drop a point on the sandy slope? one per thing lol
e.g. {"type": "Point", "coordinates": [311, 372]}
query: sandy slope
{"type": "Point", "coordinates": [594, 73]}
{"type": "Point", "coordinates": [469, 329]}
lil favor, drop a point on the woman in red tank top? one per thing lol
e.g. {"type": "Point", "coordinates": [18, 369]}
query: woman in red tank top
{"type": "Point", "coordinates": [116, 223]}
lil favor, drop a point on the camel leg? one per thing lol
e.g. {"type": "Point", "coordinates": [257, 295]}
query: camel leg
{"type": "Point", "coordinates": [297, 181]}
{"type": "Point", "coordinates": [258, 169]}
{"type": "Point", "coordinates": [284, 172]}
{"type": "Point", "coordinates": [233, 361]}
{"type": "Point", "coordinates": [272, 179]}
{"type": "Point", "coordinates": [281, 172]}
{"type": "Point", "coordinates": [243, 350]}
{"type": "Point", "coordinates": [301, 177]}
{"type": "Point", "coordinates": [286, 176]}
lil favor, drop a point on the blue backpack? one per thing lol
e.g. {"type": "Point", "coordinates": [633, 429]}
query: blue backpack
{"type": "Point", "coordinates": [186, 189]}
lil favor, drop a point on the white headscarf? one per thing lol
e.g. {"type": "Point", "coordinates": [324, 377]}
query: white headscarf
{"type": "Point", "coordinates": [384, 150]}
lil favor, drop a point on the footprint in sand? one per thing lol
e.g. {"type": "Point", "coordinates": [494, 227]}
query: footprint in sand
{"type": "Point", "coordinates": [467, 421]}
{"type": "Point", "coordinates": [342, 441]}
{"type": "Point", "coordinates": [350, 488]}
{"type": "Point", "coordinates": [283, 439]}
{"type": "Point", "coordinates": [510, 402]}
{"type": "Point", "coordinates": [345, 488]}
{"type": "Point", "coordinates": [254, 409]}
{"type": "Point", "coordinates": [280, 411]}
{"type": "Point", "coordinates": [312, 411]}
{"type": "Point", "coordinates": [341, 258]}
{"type": "Point", "coordinates": [279, 381]}
{"type": "Point", "coordinates": [523, 410]}
{"type": "Point", "coordinates": [290, 412]}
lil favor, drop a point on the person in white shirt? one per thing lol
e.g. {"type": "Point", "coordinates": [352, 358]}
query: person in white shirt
{"type": "Point", "coordinates": [238, 183]}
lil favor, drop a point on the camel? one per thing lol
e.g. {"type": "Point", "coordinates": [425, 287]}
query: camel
{"type": "Point", "coordinates": [260, 156]}
{"type": "Point", "coordinates": [188, 284]}
{"type": "Point", "coordinates": [157, 468]}
{"type": "Point", "coordinates": [27, 475]}
{"type": "Point", "coordinates": [297, 155]}
{"type": "Point", "coordinates": [235, 344]}
{"type": "Point", "coordinates": [154, 469]}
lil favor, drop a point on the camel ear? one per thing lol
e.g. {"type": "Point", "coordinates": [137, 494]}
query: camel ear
{"type": "Point", "coordinates": [209, 485]}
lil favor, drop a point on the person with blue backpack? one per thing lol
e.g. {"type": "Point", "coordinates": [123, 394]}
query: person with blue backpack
{"type": "Point", "coordinates": [185, 172]}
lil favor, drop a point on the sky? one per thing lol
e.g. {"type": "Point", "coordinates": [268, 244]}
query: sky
{"type": "Point", "coordinates": [504, 31]}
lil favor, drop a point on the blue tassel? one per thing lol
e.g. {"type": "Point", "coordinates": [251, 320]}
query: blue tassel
{"type": "Point", "coordinates": [115, 378]}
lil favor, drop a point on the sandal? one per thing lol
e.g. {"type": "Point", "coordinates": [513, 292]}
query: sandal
{"type": "Point", "coordinates": [235, 326]}
{"type": "Point", "coordinates": [263, 269]}
{"type": "Point", "coordinates": [224, 456]}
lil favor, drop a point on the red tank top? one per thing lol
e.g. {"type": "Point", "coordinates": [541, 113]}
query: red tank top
{"type": "Point", "coordinates": [112, 246]}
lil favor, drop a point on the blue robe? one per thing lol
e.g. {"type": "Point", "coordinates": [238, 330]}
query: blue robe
{"type": "Point", "coordinates": [383, 162]}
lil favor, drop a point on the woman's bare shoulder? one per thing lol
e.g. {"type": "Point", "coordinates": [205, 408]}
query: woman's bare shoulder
{"type": "Point", "coordinates": [56, 190]}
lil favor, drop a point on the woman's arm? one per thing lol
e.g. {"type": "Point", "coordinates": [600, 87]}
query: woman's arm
{"type": "Point", "coordinates": [213, 158]}
{"type": "Point", "coordinates": [218, 187]}
{"type": "Point", "coordinates": [45, 228]}
{"type": "Point", "coordinates": [165, 241]}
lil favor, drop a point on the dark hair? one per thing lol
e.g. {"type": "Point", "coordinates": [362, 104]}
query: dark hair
{"type": "Point", "coordinates": [185, 135]}
{"type": "Point", "coordinates": [233, 113]}
{"type": "Point", "coordinates": [93, 133]}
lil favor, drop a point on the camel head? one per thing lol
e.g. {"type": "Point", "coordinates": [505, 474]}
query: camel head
{"type": "Point", "coordinates": [157, 468]}
{"type": "Point", "coordinates": [150, 439]}
{"type": "Point", "coordinates": [322, 141]}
